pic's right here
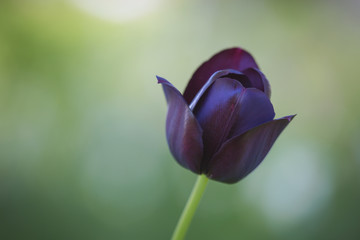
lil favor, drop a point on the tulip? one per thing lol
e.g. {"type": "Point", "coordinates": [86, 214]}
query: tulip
{"type": "Point", "coordinates": [223, 125]}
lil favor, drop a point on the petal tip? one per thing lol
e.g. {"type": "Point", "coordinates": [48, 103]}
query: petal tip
{"type": "Point", "coordinates": [160, 79]}
{"type": "Point", "coordinates": [291, 117]}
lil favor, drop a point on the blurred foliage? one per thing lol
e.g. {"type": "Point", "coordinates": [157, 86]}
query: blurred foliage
{"type": "Point", "coordinates": [82, 143]}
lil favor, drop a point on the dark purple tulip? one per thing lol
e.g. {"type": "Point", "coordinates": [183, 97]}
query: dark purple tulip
{"type": "Point", "coordinates": [223, 126]}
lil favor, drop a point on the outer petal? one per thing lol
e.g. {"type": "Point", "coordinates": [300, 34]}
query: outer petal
{"type": "Point", "coordinates": [183, 132]}
{"type": "Point", "coordinates": [228, 109]}
{"type": "Point", "coordinates": [233, 58]}
{"type": "Point", "coordinates": [258, 80]}
{"type": "Point", "coordinates": [242, 154]}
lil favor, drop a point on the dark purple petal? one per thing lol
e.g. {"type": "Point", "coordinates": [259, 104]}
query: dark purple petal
{"type": "Point", "coordinates": [241, 77]}
{"type": "Point", "coordinates": [236, 75]}
{"type": "Point", "coordinates": [258, 80]}
{"type": "Point", "coordinates": [233, 58]}
{"type": "Point", "coordinates": [255, 108]}
{"type": "Point", "coordinates": [242, 154]}
{"type": "Point", "coordinates": [228, 109]}
{"type": "Point", "coordinates": [183, 132]}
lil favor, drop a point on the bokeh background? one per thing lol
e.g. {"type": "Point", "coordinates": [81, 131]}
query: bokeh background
{"type": "Point", "coordinates": [83, 153]}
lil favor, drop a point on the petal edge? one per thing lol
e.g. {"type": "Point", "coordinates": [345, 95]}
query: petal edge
{"type": "Point", "coordinates": [232, 58]}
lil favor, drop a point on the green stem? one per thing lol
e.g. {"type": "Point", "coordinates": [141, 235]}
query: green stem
{"type": "Point", "coordinates": [190, 208]}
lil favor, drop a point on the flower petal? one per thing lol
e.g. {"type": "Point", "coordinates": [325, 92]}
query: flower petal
{"type": "Point", "coordinates": [255, 108]}
{"type": "Point", "coordinates": [233, 58]}
{"type": "Point", "coordinates": [228, 109]}
{"type": "Point", "coordinates": [258, 80]}
{"type": "Point", "coordinates": [244, 80]}
{"type": "Point", "coordinates": [242, 154]}
{"type": "Point", "coordinates": [183, 132]}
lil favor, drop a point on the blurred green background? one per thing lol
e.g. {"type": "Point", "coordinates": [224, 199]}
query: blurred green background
{"type": "Point", "coordinates": [83, 153]}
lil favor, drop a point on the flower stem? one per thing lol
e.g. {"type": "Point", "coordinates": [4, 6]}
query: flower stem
{"type": "Point", "coordinates": [190, 208]}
